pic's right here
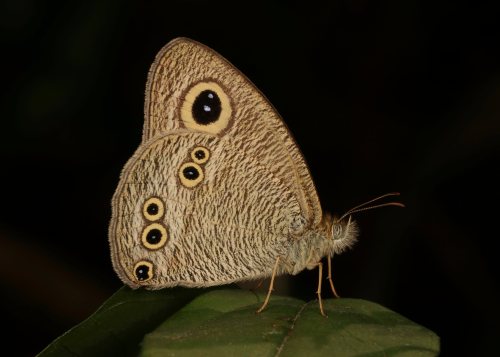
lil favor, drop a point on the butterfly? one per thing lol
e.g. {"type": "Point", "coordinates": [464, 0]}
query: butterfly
{"type": "Point", "coordinates": [218, 190]}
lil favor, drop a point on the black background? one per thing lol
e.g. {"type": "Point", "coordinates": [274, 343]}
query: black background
{"type": "Point", "coordinates": [380, 95]}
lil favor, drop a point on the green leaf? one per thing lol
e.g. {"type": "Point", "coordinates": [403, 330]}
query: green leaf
{"type": "Point", "coordinates": [224, 323]}
{"type": "Point", "coordinates": [119, 325]}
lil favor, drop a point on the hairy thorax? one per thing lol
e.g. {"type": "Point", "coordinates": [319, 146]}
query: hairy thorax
{"type": "Point", "coordinates": [330, 237]}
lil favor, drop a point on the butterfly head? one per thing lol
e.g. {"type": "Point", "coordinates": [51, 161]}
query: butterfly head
{"type": "Point", "coordinates": [344, 232]}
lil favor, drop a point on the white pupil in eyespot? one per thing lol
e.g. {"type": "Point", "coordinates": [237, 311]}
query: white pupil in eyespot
{"type": "Point", "coordinates": [210, 95]}
{"type": "Point", "coordinates": [207, 108]}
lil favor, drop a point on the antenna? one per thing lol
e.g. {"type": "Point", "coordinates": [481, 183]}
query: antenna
{"type": "Point", "coordinates": [362, 207]}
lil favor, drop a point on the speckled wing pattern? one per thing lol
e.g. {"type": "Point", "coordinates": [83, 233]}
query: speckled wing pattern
{"type": "Point", "coordinates": [229, 195]}
{"type": "Point", "coordinates": [257, 128]}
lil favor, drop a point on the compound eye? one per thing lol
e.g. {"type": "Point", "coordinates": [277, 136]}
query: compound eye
{"type": "Point", "coordinates": [154, 236]}
{"type": "Point", "coordinates": [206, 107]}
{"type": "Point", "coordinates": [190, 174]}
{"type": "Point", "coordinates": [200, 154]}
{"type": "Point", "coordinates": [143, 271]}
{"type": "Point", "coordinates": [337, 231]}
{"type": "Point", "coordinates": [153, 209]}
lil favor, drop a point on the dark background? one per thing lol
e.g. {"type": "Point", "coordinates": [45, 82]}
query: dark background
{"type": "Point", "coordinates": [381, 96]}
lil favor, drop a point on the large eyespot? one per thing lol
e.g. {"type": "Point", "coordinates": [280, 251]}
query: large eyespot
{"type": "Point", "coordinates": [206, 107]}
{"type": "Point", "coordinates": [190, 174]}
{"type": "Point", "coordinates": [154, 236]}
{"type": "Point", "coordinates": [200, 154]}
{"type": "Point", "coordinates": [153, 209]}
{"type": "Point", "coordinates": [143, 271]}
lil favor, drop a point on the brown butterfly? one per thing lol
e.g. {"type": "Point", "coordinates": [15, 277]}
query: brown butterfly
{"type": "Point", "coordinates": [218, 191]}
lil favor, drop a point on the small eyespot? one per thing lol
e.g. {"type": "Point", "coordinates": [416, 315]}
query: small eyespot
{"type": "Point", "coordinates": [154, 236]}
{"type": "Point", "coordinates": [143, 271]}
{"type": "Point", "coordinates": [153, 209]}
{"type": "Point", "coordinates": [200, 155]}
{"type": "Point", "coordinates": [190, 174]}
{"type": "Point", "coordinates": [206, 107]}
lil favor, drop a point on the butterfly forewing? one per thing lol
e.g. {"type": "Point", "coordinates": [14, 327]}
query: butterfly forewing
{"type": "Point", "coordinates": [255, 126]}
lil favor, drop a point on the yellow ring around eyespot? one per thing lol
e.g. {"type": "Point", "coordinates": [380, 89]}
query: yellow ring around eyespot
{"type": "Point", "coordinates": [205, 151]}
{"type": "Point", "coordinates": [190, 183]}
{"type": "Point", "coordinates": [158, 203]}
{"type": "Point", "coordinates": [162, 241]}
{"type": "Point", "coordinates": [186, 109]}
{"type": "Point", "coordinates": [150, 270]}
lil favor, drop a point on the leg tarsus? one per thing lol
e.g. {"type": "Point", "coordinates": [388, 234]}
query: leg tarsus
{"type": "Point", "coordinates": [318, 292]}
{"type": "Point", "coordinates": [329, 277]}
{"type": "Point", "coordinates": [271, 285]}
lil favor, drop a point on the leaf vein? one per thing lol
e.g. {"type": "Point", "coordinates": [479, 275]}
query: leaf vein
{"type": "Point", "coordinates": [294, 321]}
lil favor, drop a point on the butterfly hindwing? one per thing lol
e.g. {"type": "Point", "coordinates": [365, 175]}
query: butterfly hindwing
{"type": "Point", "coordinates": [220, 230]}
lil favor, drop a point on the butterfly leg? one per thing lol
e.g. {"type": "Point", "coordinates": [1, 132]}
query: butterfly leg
{"type": "Point", "coordinates": [330, 277]}
{"type": "Point", "coordinates": [271, 284]}
{"type": "Point", "coordinates": [318, 292]}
